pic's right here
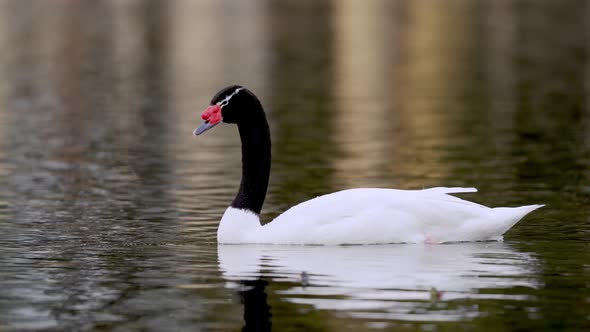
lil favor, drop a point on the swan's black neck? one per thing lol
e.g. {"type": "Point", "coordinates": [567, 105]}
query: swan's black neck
{"type": "Point", "coordinates": [255, 136]}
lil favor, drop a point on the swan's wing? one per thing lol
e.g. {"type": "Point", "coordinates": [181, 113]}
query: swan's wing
{"type": "Point", "coordinates": [372, 215]}
{"type": "Point", "coordinates": [447, 190]}
{"type": "Point", "coordinates": [349, 203]}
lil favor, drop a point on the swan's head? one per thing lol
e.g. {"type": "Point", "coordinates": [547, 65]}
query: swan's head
{"type": "Point", "coordinates": [230, 105]}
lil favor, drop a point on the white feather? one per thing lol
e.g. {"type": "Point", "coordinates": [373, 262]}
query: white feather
{"type": "Point", "coordinates": [375, 216]}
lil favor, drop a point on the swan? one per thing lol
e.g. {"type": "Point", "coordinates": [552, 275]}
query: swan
{"type": "Point", "coordinates": [353, 216]}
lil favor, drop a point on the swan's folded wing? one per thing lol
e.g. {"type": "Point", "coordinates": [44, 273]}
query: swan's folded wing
{"type": "Point", "coordinates": [371, 215]}
{"type": "Point", "coordinates": [345, 204]}
{"type": "Point", "coordinates": [449, 190]}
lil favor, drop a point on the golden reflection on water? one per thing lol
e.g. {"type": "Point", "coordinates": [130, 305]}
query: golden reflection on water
{"type": "Point", "coordinates": [436, 52]}
{"type": "Point", "coordinates": [364, 90]}
{"type": "Point", "coordinates": [396, 92]}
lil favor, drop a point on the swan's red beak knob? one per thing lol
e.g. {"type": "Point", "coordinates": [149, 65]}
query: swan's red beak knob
{"type": "Point", "coordinates": [211, 117]}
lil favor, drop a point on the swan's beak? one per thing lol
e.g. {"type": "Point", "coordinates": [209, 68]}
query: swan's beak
{"type": "Point", "coordinates": [206, 125]}
{"type": "Point", "coordinates": [211, 117]}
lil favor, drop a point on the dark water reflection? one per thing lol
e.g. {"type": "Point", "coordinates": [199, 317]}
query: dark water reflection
{"type": "Point", "coordinates": [108, 208]}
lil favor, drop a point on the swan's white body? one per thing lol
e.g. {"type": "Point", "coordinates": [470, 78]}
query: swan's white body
{"type": "Point", "coordinates": [375, 216]}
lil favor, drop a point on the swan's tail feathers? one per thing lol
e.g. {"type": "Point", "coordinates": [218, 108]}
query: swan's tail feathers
{"type": "Point", "coordinates": [508, 217]}
{"type": "Point", "coordinates": [519, 212]}
{"type": "Point", "coordinates": [530, 208]}
{"type": "Point", "coordinates": [451, 190]}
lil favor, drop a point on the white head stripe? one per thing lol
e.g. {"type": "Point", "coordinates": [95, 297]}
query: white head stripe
{"type": "Point", "coordinates": [225, 101]}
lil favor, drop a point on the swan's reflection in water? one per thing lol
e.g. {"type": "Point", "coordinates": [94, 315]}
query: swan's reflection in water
{"type": "Point", "coordinates": [257, 317]}
{"type": "Point", "coordinates": [401, 282]}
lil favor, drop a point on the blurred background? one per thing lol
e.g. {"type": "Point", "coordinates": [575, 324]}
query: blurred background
{"type": "Point", "coordinates": [109, 207]}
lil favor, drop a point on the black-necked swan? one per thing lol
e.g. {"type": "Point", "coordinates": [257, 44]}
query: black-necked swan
{"type": "Point", "coordinates": [353, 216]}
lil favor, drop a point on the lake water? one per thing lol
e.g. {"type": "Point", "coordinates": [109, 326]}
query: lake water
{"type": "Point", "coordinates": [109, 207]}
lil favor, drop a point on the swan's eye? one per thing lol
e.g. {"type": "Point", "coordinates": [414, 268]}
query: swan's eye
{"type": "Point", "coordinates": [226, 100]}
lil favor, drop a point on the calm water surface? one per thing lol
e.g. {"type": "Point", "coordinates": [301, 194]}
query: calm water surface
{"type": "Point", "coordinates": [109, 207]}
